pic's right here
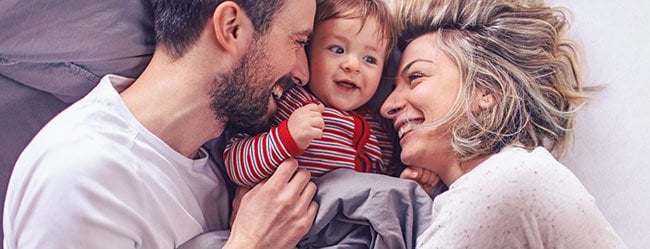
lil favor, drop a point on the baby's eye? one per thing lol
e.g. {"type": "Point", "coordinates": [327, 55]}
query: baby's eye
{"type": "Point", "coordinates": [370, 59]}
{"type": "Point", "coordinates": [337, 49]}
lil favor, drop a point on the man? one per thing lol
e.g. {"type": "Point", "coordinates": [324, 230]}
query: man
{"type": "Point", "coordinates": [124, 169]}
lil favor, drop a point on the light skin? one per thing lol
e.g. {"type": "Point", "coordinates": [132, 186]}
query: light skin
{"type": "Point", "coordinates": [346, 62]}
{"type": "Point", "coordinates": [426, 88]}
{"type": "Point", "coordinates": [277, 213]}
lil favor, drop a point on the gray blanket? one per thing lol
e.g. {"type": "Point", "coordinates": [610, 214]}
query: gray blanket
{"type": "Point", "coordinates": [368, 211]}
{"type": "Point", "coordinates": [357, 210]}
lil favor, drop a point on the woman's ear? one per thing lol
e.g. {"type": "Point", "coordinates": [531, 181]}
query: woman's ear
{"type": "Point", "coordinates": [485, 99]}
{"type": "Point", "coordinates": [229, 24]}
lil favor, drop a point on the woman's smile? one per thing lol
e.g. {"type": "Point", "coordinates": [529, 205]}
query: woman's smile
{"type": "Point", "coordinates": [408, 126]}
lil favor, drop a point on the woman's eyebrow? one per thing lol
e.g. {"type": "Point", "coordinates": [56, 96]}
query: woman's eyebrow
{"type": "Point", "coordinates": [410, 64]}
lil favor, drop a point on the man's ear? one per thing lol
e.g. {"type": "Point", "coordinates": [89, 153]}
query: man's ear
{"type": "Point", "coordinates": [485, 99]}
{"type": "Point", "coordinates": [230, 23]}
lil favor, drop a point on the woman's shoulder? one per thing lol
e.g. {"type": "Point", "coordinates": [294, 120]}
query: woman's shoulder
{"type": "Point", "coordinates": [516, 173]}
{"type": "Point", "coordinates": [516, 180]}
{"type": "Point", "coordinates": [517, 192]}
{"type": "Point", "coordinates": [522, 182]}
{"type": "Point", "coordinates": [512, 165]}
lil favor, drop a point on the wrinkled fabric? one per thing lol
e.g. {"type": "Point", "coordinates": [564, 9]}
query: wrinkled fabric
{"type": "Point", "coordinates": [360, 210]}
{"type": "Point", "coordinates": [65, 47]}
{"type": "Point", "coordinates": [356, 210]}
{"type": "Point", "coordinates": [211, 240]}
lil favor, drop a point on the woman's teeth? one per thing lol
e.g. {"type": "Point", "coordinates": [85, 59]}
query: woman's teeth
{"type": "Point", "coordinates": [405, 129]}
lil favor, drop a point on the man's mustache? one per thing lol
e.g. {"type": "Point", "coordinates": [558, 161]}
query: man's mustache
{"type": "Point", "coordinates": [286, 82]}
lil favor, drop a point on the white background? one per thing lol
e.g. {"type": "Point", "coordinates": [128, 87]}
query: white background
{"type": "Point", "coordinates": [612, 147]}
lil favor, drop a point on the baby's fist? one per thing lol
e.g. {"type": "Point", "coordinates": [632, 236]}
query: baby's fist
{"type": "Point", "coordinates": [306, 124]}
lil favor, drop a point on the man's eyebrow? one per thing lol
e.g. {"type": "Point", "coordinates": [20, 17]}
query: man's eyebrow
{"type": "Point", "coordinates": [305, 33]}
{"type": "Point", "coordinates": [408, 66]}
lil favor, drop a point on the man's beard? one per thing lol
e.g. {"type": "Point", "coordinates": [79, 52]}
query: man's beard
{"type": "Point", "coordinates": [240, 97]}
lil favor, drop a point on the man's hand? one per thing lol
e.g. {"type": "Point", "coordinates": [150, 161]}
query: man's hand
{"type": "Point", "coordinates": [424, 177]}
{"type": "Point", "coordinates": [276, 213]}
{"type": "Point", "coordinates": [239, 194]}
{"type": "Point", "coordinates": [306, 123]}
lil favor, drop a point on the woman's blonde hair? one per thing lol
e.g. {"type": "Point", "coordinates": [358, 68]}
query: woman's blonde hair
{"type": "Point", "coordinates": [514, 50]}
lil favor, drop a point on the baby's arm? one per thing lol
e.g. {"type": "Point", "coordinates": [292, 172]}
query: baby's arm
{"type": "Point", "coordinates": [249, 160]}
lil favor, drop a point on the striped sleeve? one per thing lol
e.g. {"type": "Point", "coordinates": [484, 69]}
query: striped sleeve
{"type": "Point", "coordinates": [251, 159]}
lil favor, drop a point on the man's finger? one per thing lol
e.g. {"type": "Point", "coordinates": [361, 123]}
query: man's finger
{"type": "Point", "coordinates": [311, 213]}
{"type": "Point", "coordinates": [299, 181]}
{"type": "Point", "coordinates": [308, 193]}
{"type": "Point", "coordinates": [284, 172]}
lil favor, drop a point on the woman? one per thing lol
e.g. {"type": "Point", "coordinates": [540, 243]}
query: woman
{"type": "Point", "coordinates": [484, 90]}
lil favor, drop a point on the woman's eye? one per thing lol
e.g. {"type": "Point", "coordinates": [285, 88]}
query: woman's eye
{"type": "Point", "coordinates": [414, 76]}
{"type": "Point", "coordinates": [336, 49]}
{"type": "Point", "coordinates": [370, 59]}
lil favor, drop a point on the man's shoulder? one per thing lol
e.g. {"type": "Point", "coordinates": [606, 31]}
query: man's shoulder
{"type": "Point", "coordinates": [80, 157]}
{"type": "Point", "coordinates": [93, 126]}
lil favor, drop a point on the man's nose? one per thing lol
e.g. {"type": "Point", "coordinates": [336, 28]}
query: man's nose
{"type": "Point", "coordinates": [300, 72]}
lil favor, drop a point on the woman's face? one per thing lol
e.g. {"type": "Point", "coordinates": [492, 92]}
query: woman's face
{"type": "Point", "coordinates": [427, 86]}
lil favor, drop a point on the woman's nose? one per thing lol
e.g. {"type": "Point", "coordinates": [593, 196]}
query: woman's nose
{"type": "Point", "coordinates": [392, 106]}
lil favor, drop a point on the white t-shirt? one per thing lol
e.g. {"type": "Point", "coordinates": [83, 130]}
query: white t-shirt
{"type": "Point", "coordinates": [518, 199]}
{"type": "Point", "coordinates": [94, 177]}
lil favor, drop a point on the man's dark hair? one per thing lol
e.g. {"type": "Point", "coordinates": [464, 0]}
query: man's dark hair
{"type": "Point", "coordinates": [178, 23]}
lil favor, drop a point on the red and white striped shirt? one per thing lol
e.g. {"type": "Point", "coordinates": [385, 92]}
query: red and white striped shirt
{"type": "Point", "coordinates": [349, 140]}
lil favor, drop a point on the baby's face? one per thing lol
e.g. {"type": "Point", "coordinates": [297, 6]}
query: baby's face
{"type": "Point", "coordinates": [346, 62]}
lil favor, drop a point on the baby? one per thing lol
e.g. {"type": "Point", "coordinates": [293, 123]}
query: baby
{"type": "Point", "coordinates": [328, 124]}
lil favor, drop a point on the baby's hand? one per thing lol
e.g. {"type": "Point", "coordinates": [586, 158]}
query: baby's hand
{"type": "Point", "coordinates": [424, 177]}
{"type": "Point", "coordinates": [306, 123]}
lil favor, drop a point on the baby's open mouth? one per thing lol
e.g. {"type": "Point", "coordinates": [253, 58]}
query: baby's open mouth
{"type": "Point", "coordinates": [346, 84]}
